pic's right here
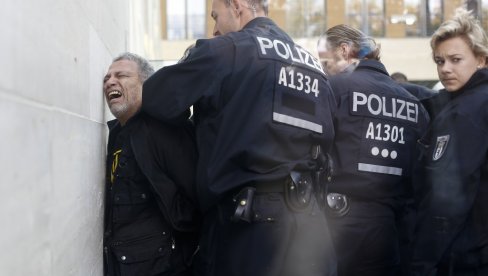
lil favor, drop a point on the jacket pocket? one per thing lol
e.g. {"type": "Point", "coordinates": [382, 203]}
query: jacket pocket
{"type": "Point", "coordinates": [127, 207]}
{"type": "Point", "coordinates": [145, 256]}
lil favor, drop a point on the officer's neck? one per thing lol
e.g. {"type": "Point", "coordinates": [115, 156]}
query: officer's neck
{"type": "Point", "coordinates": [248, 15]}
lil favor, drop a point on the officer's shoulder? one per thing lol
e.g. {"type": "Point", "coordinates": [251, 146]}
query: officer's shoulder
{"type": "Point", "coordinates": [403, 91]}
{"type": "Point", "coordinates": [207, 50]}
{"type": "Point", "coordinates": [419, 91]}
{"type": "Point", "coordinates": [342, 79]}
{"type": "Point", "coordinates": [217, 42]}
{"type": "Point", "coordinates": [481, 92]}
{"type": "Point", "coordinates": [476, 101]}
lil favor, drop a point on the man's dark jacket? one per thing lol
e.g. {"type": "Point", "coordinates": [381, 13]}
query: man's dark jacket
{"type": "Point", "coordinates": [166, 157]}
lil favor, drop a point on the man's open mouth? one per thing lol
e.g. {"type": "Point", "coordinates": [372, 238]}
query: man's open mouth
{"type": "Point", "coordinates": [114, 95]}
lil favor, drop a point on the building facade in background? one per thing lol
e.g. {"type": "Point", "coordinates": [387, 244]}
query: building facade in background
{"type": "Point", "coordinates": [403, 27]}
{"type": "Point", "coordinates": [187, 19]}
{"type": "Point", "coordinates": [52, 124]}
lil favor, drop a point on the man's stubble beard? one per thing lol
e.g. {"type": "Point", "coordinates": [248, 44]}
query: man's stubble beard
{"type": "Point", "coordinates": [118, 110]}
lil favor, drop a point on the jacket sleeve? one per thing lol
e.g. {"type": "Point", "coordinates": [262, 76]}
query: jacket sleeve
{"type": "Point", "coordinates": [451, 179]}
{"type": "Point", "coordinates": [167, 156]}
{"type": "Point", "coordinates": [171, 91]}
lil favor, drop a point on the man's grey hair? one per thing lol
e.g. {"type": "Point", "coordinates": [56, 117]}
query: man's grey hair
{"type": "Point", "coordinates": [145, 68]}
{"type": "Point", "coordinates": [263, 4]}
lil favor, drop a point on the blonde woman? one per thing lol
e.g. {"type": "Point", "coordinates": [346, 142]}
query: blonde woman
{"type": "Point", "coordinates": [452, 224]}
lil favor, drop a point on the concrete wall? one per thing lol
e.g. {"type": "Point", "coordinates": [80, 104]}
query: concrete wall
{"type": "Point", "coordinates": [53, 56]}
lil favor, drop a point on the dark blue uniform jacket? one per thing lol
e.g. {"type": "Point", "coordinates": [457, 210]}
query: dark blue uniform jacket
{"type": "Point", "coordinates": [453, 192]}
{"type": "Point", "coordinates": [377, 125]}
{"type": "Point", "coordinates": [259, 100]}
{"type": "Point", "coordinates": [419, 91]}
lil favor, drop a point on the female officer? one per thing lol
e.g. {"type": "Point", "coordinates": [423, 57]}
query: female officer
{"type": "Point", "coordinates": [452, 224]}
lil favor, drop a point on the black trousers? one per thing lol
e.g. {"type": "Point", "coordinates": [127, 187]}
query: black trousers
{"type": "Point", "coordinates": [448, 270]}
{"type": "Point", "coordinates": [278, 242]}
{"type": "Point", "coordinates": [367, 241]}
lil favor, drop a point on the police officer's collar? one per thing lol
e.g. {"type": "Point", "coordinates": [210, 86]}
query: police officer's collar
{"type": "Point", "coordinates": [480, 76]}
{"type": "Point", "coordinates": [256, 22]}
{"type": "Point", "coordinates": [372, 65]}
{"type": "Point", "coordinates": [436, 103]}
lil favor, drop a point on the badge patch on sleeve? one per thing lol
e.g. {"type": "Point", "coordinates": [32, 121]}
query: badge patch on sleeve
{"type": "Point", "coordinates": [440, 147]}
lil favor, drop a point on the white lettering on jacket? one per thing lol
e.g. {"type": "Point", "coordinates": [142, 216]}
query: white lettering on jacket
{"type": "Point", "coordinates": [384, 106]}
{"type": "Point", "coordinates": [289, 52]}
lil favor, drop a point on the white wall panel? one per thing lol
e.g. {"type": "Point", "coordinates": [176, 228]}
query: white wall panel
{"type": "Point", "coordinates": [52, 132]}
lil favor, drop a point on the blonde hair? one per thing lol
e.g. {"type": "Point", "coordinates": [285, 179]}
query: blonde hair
{"type": "Point", "coordinates": [466, 26]}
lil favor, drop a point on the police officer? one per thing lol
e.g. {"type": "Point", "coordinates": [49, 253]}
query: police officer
{"type": "Point", "coordinates": [151, 220]}
{"type": "Point", "coordinates": [337, 52]}
{"type": "Point", "coordinates": [377, 126]}
{"type": "Point", "coordinates": [452, 232]}
{"type": "Point", "coordinates": [262, 109]}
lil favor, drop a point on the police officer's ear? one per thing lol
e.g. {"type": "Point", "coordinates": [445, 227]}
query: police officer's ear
{"type": "Point", "coordinates": [344, 50]}
{"type": "Point", "coordinates": [482, 62]}
{"type": "Point", "coordinates": [236, 6]}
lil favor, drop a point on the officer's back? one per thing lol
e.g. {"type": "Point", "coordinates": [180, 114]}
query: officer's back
{"type": "Point", "coordinates": [261, 104]}
{"type": "Point", "coordinates": [377, 125]}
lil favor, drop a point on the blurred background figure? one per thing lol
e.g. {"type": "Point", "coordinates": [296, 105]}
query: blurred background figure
{"type": "Point", "coordinates": [338, 50]}
{"type": "Point", "coordinates": [438, 86]}
{"type": "Point", "coordinates": [419, 91]}
{"type": "Point", "coordinates": [399, 77]}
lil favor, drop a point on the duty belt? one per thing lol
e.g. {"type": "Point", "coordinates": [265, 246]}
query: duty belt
{"type": "Point", "coordinates": [338, 204]}
{"type": "Point", "coordinates": [297, 191]}
{"type": "Point", "coordinates": [270, 187]}
{"type": "Point", "coordinates": [243, 200]}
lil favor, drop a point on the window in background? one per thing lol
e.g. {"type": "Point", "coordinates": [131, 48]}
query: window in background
{"type": "Point", "coordinates": [376, 14]}
{"type": "Point", "coordinates": [484, 14]}
{"type": "Point", "coordinates": [354, 14]}
{"type": "Point", "coordinates": [366, 15]}
{"type": "Point", "coordinates": [434, 15]}
{"type": "Point", "coordinates": [412, 18]}
{"type": "Point", "coordinates": [305, 18]}
{"type": "Point", "coordinates": [185, 19]}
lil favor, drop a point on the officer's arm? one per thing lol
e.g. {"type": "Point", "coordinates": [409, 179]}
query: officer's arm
{"type": "Point", "coordinates": [177, 156]}
{"type": "Point", "coordinates": [167, 157]}
{"type": "Point", "coordinates": [169, 93]}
